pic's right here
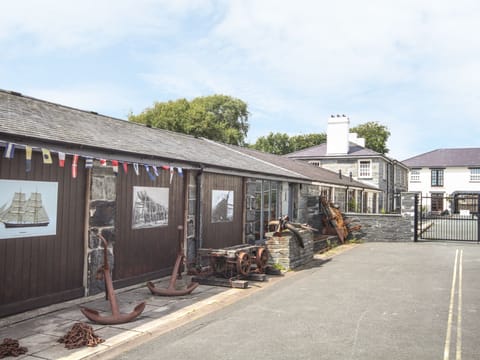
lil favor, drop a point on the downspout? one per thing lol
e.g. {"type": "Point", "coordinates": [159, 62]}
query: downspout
{"type": "Point", "coordinates": [198, 214]}
{"type": "Point", "coordinates": [86, 230]}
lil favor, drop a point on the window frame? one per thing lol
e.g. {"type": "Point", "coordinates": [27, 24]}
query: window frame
{"type": "Point", "coordinates": [415, 175]}
{"type": "Point", "coordinates": [475, 174]}
{"type": "Point", "coordinates": [437, 177]}
{"type": "Point", "coordinates": [362, 175]}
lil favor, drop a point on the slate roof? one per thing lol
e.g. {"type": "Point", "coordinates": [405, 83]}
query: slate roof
{"type": "Point", "coordinates": [26, 119]}
{"type": "Point", "coordinates": [317, 151]}
{"type": "Point", "coordinates": [313, 172]}
{"type": "Point", "coordinates": [446, 158]}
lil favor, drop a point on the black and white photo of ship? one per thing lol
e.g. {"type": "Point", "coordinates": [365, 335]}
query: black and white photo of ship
{"type": "Point", "coordinates": [150, 207]}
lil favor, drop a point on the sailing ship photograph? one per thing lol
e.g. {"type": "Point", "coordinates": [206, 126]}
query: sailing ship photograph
{"type": "Point", "coordinates": [27, 208]}
{"type": "Point", "coordinates": [222, 205]}
{"type": "Point", "coordinates": [150, 207]}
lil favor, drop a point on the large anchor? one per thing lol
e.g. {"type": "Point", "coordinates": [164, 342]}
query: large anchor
{"type": "Point", "coordinates": [116, 317]}
{"type": "Point", "coordinates": [171, 290]}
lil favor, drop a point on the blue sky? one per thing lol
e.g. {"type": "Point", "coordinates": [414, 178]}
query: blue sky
{"type": "Point", "coordinates": [411, 65]}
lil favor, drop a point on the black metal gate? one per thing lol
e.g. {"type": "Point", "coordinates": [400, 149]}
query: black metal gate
{"type": "Point", "coordinates": [447, 218]}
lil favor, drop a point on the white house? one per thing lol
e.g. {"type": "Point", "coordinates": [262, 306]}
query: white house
{"type": "Point", "coordinates": [450, 177]}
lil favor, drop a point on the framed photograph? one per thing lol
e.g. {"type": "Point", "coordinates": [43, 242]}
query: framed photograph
{"type": "Point", "coordinates": [222, 205]}
{"type": "Point", "coordinates": [28, 208]}
{"type": "Point", "coordinates": [150, 207]}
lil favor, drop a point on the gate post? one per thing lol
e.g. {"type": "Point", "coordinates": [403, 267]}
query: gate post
{"type": "Point", "coordinates": [478, 218]}
{"type": "Point", "coordinates": [415, 219]}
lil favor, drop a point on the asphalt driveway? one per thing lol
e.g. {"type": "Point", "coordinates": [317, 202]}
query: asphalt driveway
{"type": "Point", "coordinates": [375, 301]}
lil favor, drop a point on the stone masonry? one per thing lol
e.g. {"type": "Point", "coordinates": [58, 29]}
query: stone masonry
{"type": "Point", "coordinates": [285, 250]}
{"type": "Point", "coordinates": [102, 220]}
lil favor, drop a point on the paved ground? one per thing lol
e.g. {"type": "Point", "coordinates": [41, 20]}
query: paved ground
{"type": "Point", "coordinates": [40, 329]}
{"type": "Point", "coordinates": [376, 301]}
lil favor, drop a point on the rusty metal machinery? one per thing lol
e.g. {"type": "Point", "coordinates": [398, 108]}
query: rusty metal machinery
{"type": "Point", "coordinates": [334, 222]}
{"type": "Point", "coordinates": [236, 260]}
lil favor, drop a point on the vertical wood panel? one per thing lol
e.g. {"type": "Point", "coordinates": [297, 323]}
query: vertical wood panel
{"type": "Point", "coordinates": [40, 270]}
{"type": "Point", "coordinates": [149, 252]}
{"type": "Point", "coordinates": [222, 234]}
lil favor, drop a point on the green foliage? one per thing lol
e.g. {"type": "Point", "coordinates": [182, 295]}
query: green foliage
{"type": "Point", "coordinates": [217, 117]}
{"type": "Point", "coordinates": [375, 136]}
{"type": "Point", "coordinates": [281, 143]}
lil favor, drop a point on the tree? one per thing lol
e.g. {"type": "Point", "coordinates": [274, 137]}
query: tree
{"type": "Point", "coordinates": [281, 143]}
{"type": "Point", "coordinates": [217, 117]}
{"type": "Point", "coordinates": [375, 136]}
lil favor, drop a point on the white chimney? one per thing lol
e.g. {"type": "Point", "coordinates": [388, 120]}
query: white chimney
{"type": "Point", "coordinates": [353, 138]}
{"type": "Point", "coordinates": [337, 135]}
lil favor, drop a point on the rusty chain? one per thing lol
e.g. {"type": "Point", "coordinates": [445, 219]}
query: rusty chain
{"type": "Point", "coordinates": [80, 334]}
{"type": "Point", "coordinates": [11, 347]}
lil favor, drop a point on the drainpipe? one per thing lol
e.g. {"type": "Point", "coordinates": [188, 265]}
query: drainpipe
{"type": "Point", "coordinates": [198, 215]}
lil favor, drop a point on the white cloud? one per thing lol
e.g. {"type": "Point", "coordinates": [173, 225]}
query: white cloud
{"type": "Point", "coordinates": [91, 24]}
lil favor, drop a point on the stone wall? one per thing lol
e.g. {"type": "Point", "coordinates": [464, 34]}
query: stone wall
{"type": "Point", "coordinates": [383, 227]}
{"type": "Point", "coordinates": [102, 220]}
{"type": "Point", "coordinates": [285, 250]}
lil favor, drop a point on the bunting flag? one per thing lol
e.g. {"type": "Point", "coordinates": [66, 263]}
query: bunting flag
{"type": "Point", "coordinates": [103, 162]}
{"type": "Point", "coordinates": [88, 162]}
{"type": "Point", "coordinates": [125, 167]}
{"type": "Point", "coordinates": [171, 174]}
{"type": "Point", "coordinates": [180, 171]}
{"type": "Point", "coordinates": [135, 167]}
{"type": "Point", "coordinates": [28, 158]}
{"type": "Point", "coordinates": [74, 166]}
{"type": "Point", "coordinates": [150, 175]}
{"type": "Point", "coordinates": [47, 157]}
{"type": "Point", "coordinates": [115, 166]}
{"type": "Point", "coordinates": [165, 167]}
{"type": "Point", "coordinates": [61, 159]}
{"type": "Point", "coordinates": [155, 170]}
{"type": "Point", "coordinates": [9, 151]}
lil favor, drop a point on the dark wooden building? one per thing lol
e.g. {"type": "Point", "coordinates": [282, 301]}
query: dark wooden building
{"type": "Point", "coordinates": [133, 184]}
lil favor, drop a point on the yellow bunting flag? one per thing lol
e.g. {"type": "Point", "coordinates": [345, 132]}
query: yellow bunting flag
{"type": "Point", "coordinates": [47, 158]}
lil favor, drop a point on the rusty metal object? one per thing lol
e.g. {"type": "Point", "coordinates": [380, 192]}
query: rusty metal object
{"type": "Point", "coordinates": [334, 222]}
{"type": "Point", "coordinates": [172, 290]}
{"type": "Point", "coordinates": [261, 259]}
{"type": "Point", "coordinates": [236, 260]}
{"type": "Point", "coordinates": [79, 335]}
{"type": "Point", "coordinates": [284, 223]}
{"type": "Point", "coordinates": [116, 317]}
{"type": "Point", "coordinates": [243, 263]}
{"type": "Point", "coordinates": [11, 347]}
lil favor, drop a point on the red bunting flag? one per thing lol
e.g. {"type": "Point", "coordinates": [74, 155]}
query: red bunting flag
{"type": "Point", "coordinates": [125, 167]}
{"type": "Point", "coordinates": [115, 166]}
{"type": "Point", "coordinates": [103, 162]}
{"type": "Point", "coordinates": [61, 159]}
{"type": "Point", "coordinates": [74, 166]}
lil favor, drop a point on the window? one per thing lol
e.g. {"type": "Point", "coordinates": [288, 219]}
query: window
{"type": "Point", "coordinates": [475, 174]}
{"type": "Point", "coordinates": [437, 177]}
{"type": "Point", "coordinates": [364, 169]}
{"type": "Point", "coordinates": [267, 203]}
{"type": "Point", "coordinates": [415, 175]}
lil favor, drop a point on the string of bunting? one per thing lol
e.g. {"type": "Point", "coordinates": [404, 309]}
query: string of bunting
{"type": "Point", "coordinates": [151, 170]}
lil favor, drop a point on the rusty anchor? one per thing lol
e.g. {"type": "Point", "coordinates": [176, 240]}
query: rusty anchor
{"type": "Point", "coordinates": [116, 317]}
{"type": "Point", "coordinates": [171, 290]}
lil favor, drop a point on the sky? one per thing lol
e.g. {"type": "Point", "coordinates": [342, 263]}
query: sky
{"type": "Point", "coordinates": [410, 65]}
